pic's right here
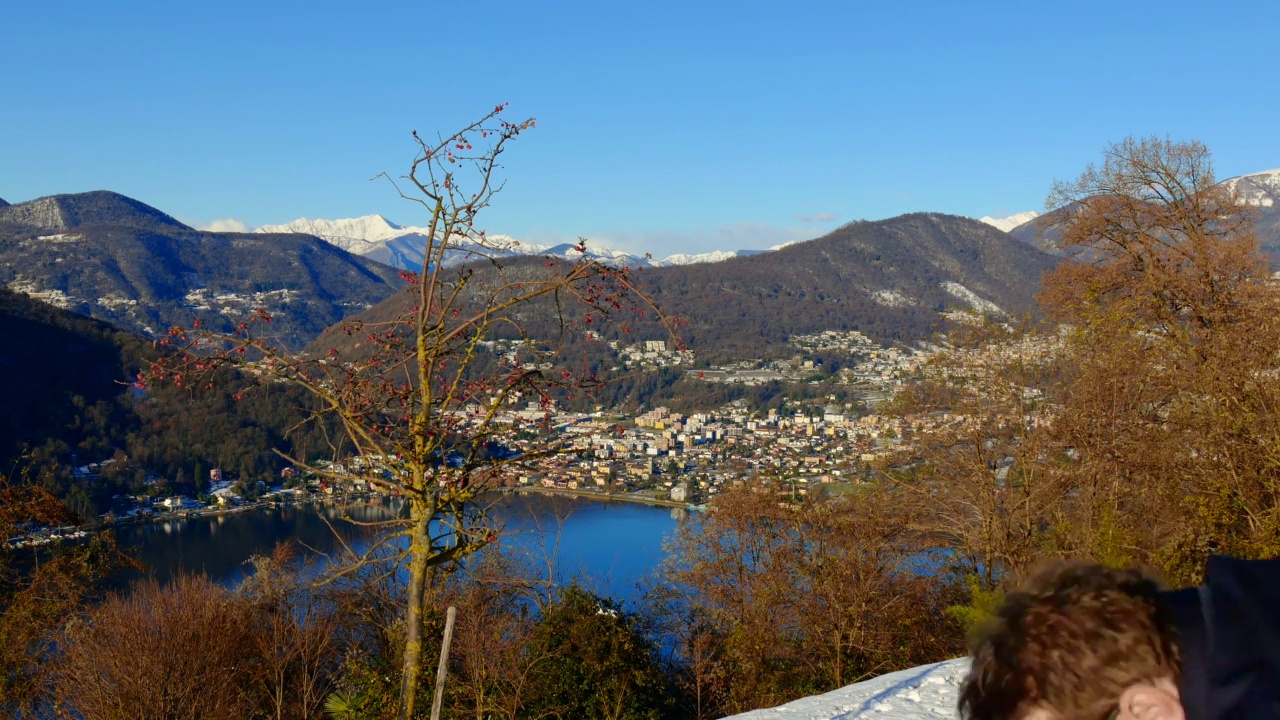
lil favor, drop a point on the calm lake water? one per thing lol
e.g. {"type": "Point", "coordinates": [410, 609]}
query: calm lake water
{"type": "Point", "coordinates": [612, 546]}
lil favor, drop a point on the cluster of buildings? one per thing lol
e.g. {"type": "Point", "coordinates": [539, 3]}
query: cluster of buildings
{"type": "Point", "coordinates": [651, 355]}
{"type": "Point", "coordinates": [689, 458]}
{"type": "Point", "coordinates": [872, 363]}
{"type": "Point", "coordinates": [236, 304]}
{"type": "Point", "coordinates": [883, 369]}
{"type": "Point", "coordinates": [660, 455]}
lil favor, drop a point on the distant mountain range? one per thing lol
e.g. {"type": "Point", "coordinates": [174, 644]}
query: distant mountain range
{"type": "Point", "coordinates": [893, 280]}
{"type": "Point", "coordinates": [1260, 190]}
{"type": "Point", "coordinates": [118, 259]}
{"type": "Point", "coordinates": [377, 238]}
{"type": "Point", "coordinates": [114, 258]}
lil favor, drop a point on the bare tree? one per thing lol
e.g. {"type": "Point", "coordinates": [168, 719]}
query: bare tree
{"type": "Point", "coordinates": [425, 400]}
{"type": "Point", "coordinates": [298, 634]}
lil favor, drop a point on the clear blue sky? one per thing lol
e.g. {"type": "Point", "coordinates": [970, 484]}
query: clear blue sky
{"type": "Point", "coordinates": [663, 126]}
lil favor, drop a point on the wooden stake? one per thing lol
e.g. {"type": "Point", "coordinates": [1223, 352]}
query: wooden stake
{"type": "Point", "coordinates": [443, 670]}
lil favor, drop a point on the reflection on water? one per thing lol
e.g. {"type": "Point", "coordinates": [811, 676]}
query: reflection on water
{"type": "Point", "coordinates": [610, 546]}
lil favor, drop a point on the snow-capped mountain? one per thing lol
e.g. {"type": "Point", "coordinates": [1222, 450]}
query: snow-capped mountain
{"type": "Point", "coordinates": [353, 234]}
{"type": "Point", "coordinates": [401, 246]}
{"type": "Point", "coordinates": [1010, 222]}
{"type": "Point", "coordinates": [377, 238]}
{"type": "Point", "coordinates": [1260, 189]}
{"type": "Point", "coordinates": [713, 256]}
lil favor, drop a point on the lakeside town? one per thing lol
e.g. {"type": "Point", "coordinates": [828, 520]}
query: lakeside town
{"type": "Point", "coordinates": [657, 456]}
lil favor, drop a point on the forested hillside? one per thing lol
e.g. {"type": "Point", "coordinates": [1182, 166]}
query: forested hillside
{"type": "Point", "coordinates": [69, 401]}
{"type": "Point", "coordinates": [890, 280]}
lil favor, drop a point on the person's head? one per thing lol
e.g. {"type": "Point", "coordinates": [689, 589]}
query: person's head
{"type": "Point", "coordinates": [1076, 641]}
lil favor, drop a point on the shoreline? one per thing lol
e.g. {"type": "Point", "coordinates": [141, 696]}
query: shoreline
{"type": "Point", "coordinates": [84, 530]}
{"type": "Point", "coordinates": [602, 497]}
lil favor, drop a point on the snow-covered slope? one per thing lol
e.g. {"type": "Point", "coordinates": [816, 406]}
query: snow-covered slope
{"type": "Point", "coordinates": [713, 256]}
{"type": "Point", "coordinates": [1260, 189]}
{"type": "Point", "coordinates": [1010, 222]}
{"type": "Point", "coordinates": [928, 692]}
{"type": "Point", "coordinates": [352, 234]}
{"type": "Point", "coordinates": [382, 240]}
{"type": "Point", "coordinates": [973, 299]}
{"type": "Point", "coordinates": [402, 246]}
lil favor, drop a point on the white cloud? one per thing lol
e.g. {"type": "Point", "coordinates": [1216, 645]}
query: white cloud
{"type": "Point", "coordinates": [225, 225]}
{"type": "Point", "coordinates": [817, 217]}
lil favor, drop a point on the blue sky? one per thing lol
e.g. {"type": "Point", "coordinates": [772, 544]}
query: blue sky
{"type": "Point", "coordinates": [662, 126]}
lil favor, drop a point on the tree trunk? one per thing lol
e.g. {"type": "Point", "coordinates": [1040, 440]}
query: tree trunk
{"type": "Point", "coordinates": [419, 553]}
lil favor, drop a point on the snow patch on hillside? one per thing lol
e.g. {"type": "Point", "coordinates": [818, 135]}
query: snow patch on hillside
{"type": "Point", "coordinates": [974, 300]}
{"type": "Point", "coordinates": [1260, 189]}
{"type": "Point", "coordinates": [928, 692]}
{"type": "Point", "coordinates": [713, 256]}
{"type": "Point", "coordinates": [891, 298]}
{"type": "Point", "coordinates": [1010, 222]}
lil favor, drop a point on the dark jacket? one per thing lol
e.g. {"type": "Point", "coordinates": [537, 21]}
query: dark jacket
{"type": "Point", "coordinates": [1229, 633]}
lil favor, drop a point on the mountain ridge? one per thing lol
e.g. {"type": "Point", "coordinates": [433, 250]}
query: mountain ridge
{"type": "Point", "coordinates": [895, 280]}
{"type": "Point", "coordinates": [97, 207]}
{"type": "Point", "coordinates": [1259, 190]}
{"type": "Point", "coordinates": [890, 279]}
{"type": "Point", "coordinates": [376, 237]}
{"type": "Point", "coordinates": [114, 258]}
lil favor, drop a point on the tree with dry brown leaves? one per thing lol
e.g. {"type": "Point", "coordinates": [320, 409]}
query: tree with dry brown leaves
{"type": "Point", "coordinates": [1174, 407]}
{"type": "Point", "coordinates": [39, 590]}
{"type": "Point", "coordinates": [161, 653]}
{"type": "Point", "coordinates": [773, 598]}
{"type": "Point", "coordinates": [1142, 423]}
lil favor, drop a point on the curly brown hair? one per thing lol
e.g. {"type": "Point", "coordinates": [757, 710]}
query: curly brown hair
{"type": "Point", "coordinates": [1070, 639]}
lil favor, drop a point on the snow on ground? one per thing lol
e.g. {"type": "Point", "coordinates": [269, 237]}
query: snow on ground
{"type": "Point", "coordinates": [975, 301]}
{"type": "Point", "coordinates": [928, 692]}
{"type": "Point", "coordinates": [1257, 189]}
{"type": "Point", "coordinates": [891, 298]}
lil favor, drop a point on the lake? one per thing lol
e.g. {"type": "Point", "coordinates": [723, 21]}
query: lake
{"type": "Point", "coordinates": [611, 545]}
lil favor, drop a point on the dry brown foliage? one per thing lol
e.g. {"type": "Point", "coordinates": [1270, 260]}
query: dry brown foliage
{"type": "Point", "coordinates": [39, 591]}
{"type": "Point", "coordinates": [298, 637]}
{"type": "Point", "coordinates": [1144, 427]}
{"type": "Point", "coordinates": [780, 599]}
{"type": "Point", "coordinates": [183, 652]}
